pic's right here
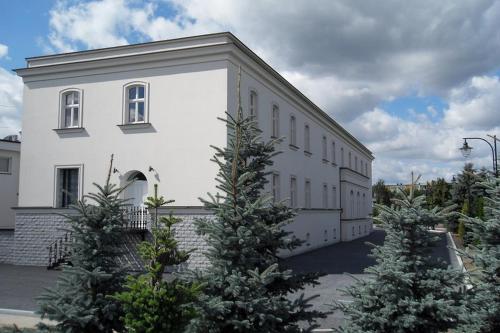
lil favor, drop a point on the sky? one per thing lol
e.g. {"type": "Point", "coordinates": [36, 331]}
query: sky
{"type": "Point", "coordinates": [409, 79]}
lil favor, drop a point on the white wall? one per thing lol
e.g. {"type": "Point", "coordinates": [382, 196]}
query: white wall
{"type": "Point", "coordinates": [9, 185]}
{"type": "Point", "coordinates": [185, 101]}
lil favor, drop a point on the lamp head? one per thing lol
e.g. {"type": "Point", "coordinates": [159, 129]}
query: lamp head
{"type": "Point", "coordinates": [466, 149]}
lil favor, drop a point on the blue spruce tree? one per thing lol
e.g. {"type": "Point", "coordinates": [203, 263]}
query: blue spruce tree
{"type": "Point", "coordinates": [246, 289]}
{"type": "Point", "coordinates": [484, 302]}
{"type": "Point", "coordinates": [80, 301]}
{"type": "Point", "coordinates": [407, 290]}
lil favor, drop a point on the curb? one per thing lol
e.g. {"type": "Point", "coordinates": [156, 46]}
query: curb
{"type": "Point", "coordinates": [14, 312]}
{"type": "Point", "coordinates": [454, 248]}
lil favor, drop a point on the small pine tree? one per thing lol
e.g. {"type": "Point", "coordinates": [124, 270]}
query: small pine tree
{"type": "Point", "coordinates": [484, 303]}
{"type": "Point", "coordinates": [151, 304]}
{"type": "Point", "coordinates": [246, 289]}
{"type": "Point", "coordinates": [408, 290]}
{"type": "Point", "coordinates": [79, 302]}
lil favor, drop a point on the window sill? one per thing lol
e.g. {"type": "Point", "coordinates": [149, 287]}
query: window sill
{"type": "Point", "coordinates": [307, 153]}
{"type": "Point", "coordinates": [5, 173]}
{"type": "Point", "coordinates": [69, 130]}
{"type": "Point", "coordinates": [325, 161]}
{"type": "Point", "coordinates": [293, 147]}
{"type": "Point", "coordinates": [134, 126]}
{"type": "Point", "coordinates": [334, 164]}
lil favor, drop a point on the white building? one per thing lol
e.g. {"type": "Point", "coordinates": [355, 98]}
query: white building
{"type": "Point", "coordinates": [9, 180]}
{"type": "Point", "coordinates": [155, 107]}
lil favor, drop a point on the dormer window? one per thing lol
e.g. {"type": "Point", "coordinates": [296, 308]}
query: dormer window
{"type": "Point", "coordinates": [71, 109]}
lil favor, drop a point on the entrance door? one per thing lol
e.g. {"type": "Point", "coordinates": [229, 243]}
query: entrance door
{"type": "Point", "coordinates": [137, 191]}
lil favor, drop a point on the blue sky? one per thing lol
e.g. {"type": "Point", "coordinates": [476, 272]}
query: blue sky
{"type": "Point", "coordinates": [408, 86]}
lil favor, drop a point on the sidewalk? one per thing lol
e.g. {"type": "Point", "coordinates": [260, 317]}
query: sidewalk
{"type": "Point", "coordinates": [22, 319]}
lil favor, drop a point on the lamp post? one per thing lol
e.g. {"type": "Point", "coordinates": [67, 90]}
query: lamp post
{"type": "Point", "coordinates": [466, 150]}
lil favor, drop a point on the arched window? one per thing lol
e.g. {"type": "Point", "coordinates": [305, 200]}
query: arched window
{"type": "Point", "coordinates": [293, 131]}
{"type": "Point", "coordinates": [276, 121]}
{"type": "Point", "coordinates": [307, 139]}
{"type": "Point", "coordinates": [361, 169]}
{"type": "Point", "coordinates": [308, 239]}
{"type": "Point", "coordinates": [359, 231]}
{"type": "Point", "coordinates": [351, 210]}
{"type": "Point", "coordinates": [366, 169]}
{"type": "Point", "coordinates": [135, 103]}
{"type": "Point", "coordinates": [71, 108]}
{"type": "Point", "coordinates": [325, 196]}
{"type": "Point", "coordinates": [324, 148]}
{"type": "Point", "coordinates": [253, 104]}
{"type": "Point", "coordinates": [365, 209]}
{"type": "Point", "coordinates": [307, 194]}
{"type": "Point", "coordinates": [342, 157]}
{"type": "Point", "coordinates": [356, 163]}
{"type": "Point", "coordinates": [326, 235]}
{"type": "Point", "coordinates": [334, 233]}
{"type": "Point", "coordinates": [334, 197]}
{"type": "Point", "coordinates": [350, 160]}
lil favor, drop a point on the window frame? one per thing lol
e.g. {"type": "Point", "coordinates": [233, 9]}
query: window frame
{"type": "Point", "coordinates": [275, 121]}
{"type": "Point", "coordinates": [253, 109]}
{"type": "Point", "coordinates": [307, 138]}
{"type": "Point", "coordinates": [293, 131]}
{"type": "Point", "coordinates": [307, 193]}
{"type": "Point", "coordinates": [9, 165]}
{"type": "Point", "coordinates": [293, 191]}
{"type": "Point", "coordinates": [126, 101]}
{"type": "Point", "coordinates": [276, 187]}
{"type": "Point", "coordinates": [63, 107]}
{"type": "Point", "coordinates": [56, 181]}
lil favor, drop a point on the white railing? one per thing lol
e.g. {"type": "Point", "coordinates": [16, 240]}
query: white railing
{"type": "Point", "coordinates": [137, 217]}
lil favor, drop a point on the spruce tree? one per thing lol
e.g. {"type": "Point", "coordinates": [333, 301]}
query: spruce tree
{"type": "Point", "coordinates": [407, 290]}
{"type": "Point", "coordinates": [79, 302]}
{"type": "Point", "coordinates": [484, 303]}
{"type": "Point", "coordinates": [246, 287]}
{"type": "Point", "coordinates": [150, 303]}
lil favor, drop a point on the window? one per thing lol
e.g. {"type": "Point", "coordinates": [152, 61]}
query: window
{"type": "Point", "coordinates": [307, 194]}
{"type": "Point", "coordinates": [253, 104]}
{"type": "Point", "coordinates": [135, 101]}
{"type": "Point", "coordinates": [67, 186]}
{"type": "Point", "coordinates": [366, 169]}
{"type": "Point", "coordinates": [334, 233]}
{"type": "Point", "coordinates": [334, 158]}
{"type": "Point", "coordinates": [356, 163]}
{"type": "Point", "coordinates": [359, 227]}
{"type": "Point", "coordinates": [323, 145]}
{"type": "Point", "coordinates": [361, 169]}
{"type": "Point", "coordinates": [276, 186]}
{"type": "Point", "coordinates": [276, 122]}
{"type": "Point", "coordinates": [293, 191]}
{"type": "Point", "coordinates": [366, 229]}
{"type": "Point", "coordinates": [358, 205]}
{"type": "Point", "coordinates": [308, 239]}
{"type": "Point", "coordinates": [71, 109]}
{"type": "Point", "coordinates": [351, 208]}
{"type": "Point", "coordinates": [325, 234]}
{"type": "Point", "coordinates": [5, 164]}
{"type": "Point", "coordinates": [353, 231]}
{"type": "Point", "coordinates": [350, 160]}
{"type": "Point", "coordinates": [325, 196]}
{"type": "Point", "coordinates": [307, 138]}
{"type": "Point", "coordinates": [364, 208]}
{"type": "Point", "coordinates": [293, 131]}
{"type": "Point", "coordinates": [334, 197]}
{"type": "Point", "coordinates": [342, 157]}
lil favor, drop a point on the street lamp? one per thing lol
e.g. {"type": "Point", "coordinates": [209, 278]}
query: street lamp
{"type": "Point", "coordinates": [467, 150]}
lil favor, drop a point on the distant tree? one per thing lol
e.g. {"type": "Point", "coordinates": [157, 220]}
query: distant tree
{"type": "Point", "coordinates": [483, 315]}
{"type": "Point", "coordinates": [438, 193]}
{"type": "Point", "coordinates": [150, 303]}
{"type": "Point", "coordinates": [80, 301]}
{"type": "Point", "coordinates": [465, 188]}
{"type": "Point", "coordinates": [381, 193]}
{"type": "Point", "coordinates": [407, 290]}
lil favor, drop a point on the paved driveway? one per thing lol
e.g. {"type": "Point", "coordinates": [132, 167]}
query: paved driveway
{"type": "Point", "coordinates": [20, 284]}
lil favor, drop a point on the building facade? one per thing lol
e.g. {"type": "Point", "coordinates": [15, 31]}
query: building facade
{"type": "Point", "coordinates": [155, 107]}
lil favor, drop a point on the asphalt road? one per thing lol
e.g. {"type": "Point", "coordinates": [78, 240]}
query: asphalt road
{"type": "Point", "coordinates": [20, 284]}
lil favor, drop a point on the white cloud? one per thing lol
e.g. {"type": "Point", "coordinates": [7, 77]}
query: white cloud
{"type": "Point", "coordinates": [4, 50]}
{"type": "Point", "coordinates": [11, 91]}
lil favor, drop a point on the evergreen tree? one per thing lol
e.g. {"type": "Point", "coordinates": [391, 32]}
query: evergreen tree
{"type": "Point", "coordinates": [438, 193]}
{"type": "Point", "coordinates": [150, 303]}
{"type": "Point", "coordinates": [484, 304]}
{"type": "Point", "coordinates": [408, 290]}
{"type": "Point", "coordinates": [79, 302]}
{"type": "Point", "coordinates": [246, 288]}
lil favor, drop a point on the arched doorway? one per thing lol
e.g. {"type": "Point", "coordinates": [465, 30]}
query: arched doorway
{"type": "Point", "coordinates": [137, 188]}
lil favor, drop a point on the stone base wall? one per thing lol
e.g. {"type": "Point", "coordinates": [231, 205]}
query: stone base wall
{"type": "Point", "coordinates": [6, 246]}
{"type": "Point", "coordinates": [35, 231]}
{"type": "Point", "coordinates": [353, 229]}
